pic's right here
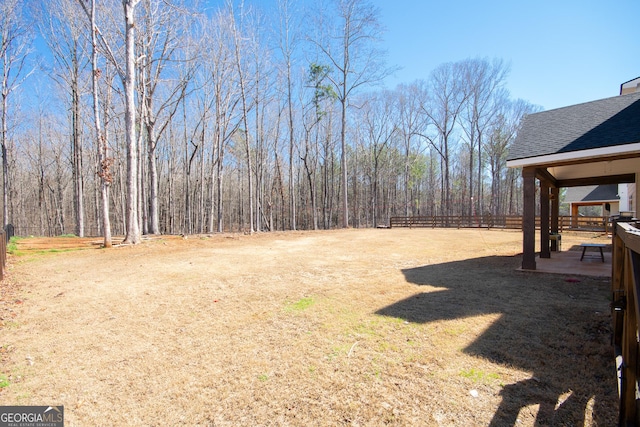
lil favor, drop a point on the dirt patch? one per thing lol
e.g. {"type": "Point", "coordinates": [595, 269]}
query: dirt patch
{"type": "Point", "coordinates": [350, 327]}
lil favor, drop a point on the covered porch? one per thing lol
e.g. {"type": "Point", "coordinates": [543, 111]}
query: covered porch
{"type": "Point", "coordinates": [596, 143]}
{"type": "Point", "coordinates": [569, 263]}
{"type": "Point", "coordinates": [548, 201]}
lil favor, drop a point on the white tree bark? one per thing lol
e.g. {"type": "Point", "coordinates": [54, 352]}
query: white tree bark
{"type": "Point", "coordinates": [101, 142]}
{"type": "Point", "coordinates": [245, 112]}
{"type": "Point", "coordinates": [352, 51]}
{"type": "Point", "coordinates": [14, 49]}
{"type": "Point", "coordinates": [133, 227]}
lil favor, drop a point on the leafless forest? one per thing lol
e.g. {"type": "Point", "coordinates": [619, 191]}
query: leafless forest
{"type": "Point", "coordinates": [147, 116]}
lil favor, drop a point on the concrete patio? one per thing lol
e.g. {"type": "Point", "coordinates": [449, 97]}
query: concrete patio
{"type": "Point", "coordinates": [568, 262]}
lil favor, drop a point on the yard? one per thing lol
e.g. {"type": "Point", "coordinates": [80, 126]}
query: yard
{"type": "Point", "coordinates": [414, 327]}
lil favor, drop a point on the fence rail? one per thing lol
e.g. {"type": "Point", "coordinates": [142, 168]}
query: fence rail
{"type": "Point", "coordinates": [565, 223]}
{"type": "Point", "coordinates": [625, 286]}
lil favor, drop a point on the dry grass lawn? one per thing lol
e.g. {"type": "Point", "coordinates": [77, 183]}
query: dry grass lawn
{"type": "Point", "coordinates": [352, 327]}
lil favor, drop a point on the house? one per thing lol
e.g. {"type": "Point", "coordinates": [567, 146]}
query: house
{"type": "Point", "coordinates": [630, 86]}
{"type": "Point", "coordinates": [604, 197]}
{"type": "Point", "coordinates": [594, 143]}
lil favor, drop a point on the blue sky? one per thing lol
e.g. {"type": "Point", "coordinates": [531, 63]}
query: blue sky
{"type": "Point", "coordinates": [560, 52]}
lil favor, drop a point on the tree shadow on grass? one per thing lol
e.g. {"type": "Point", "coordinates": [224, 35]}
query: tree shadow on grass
{"type": "Point", "coordinates": [557, 329]}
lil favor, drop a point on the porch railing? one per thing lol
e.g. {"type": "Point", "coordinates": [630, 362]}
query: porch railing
{"type": "Point", "coordinates": [625, 284]}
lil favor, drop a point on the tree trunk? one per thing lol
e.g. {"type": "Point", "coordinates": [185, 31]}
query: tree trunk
{"type": "Point", "coordinates": [76, 148]}
{"type": "Point", "coordinates": [247, 144]}
{"type": "Point", "coordinates": [292, 199]}
{"type": "Point", "coordinates": [153, 223]}
{"type": "Point", "coordinates": [219, 179]}
{"type": "Point", "coordinates": [133, 227]}
{"type": "Point", "coordinates": [343, 162]}
{"type": "Point", "coordinates": [101, 141]}
{"type": "Point", "coordinates": [5, 162]}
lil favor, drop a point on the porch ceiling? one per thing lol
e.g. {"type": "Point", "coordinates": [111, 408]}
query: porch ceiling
{"type": "Point", "coordinates": [604, 171]}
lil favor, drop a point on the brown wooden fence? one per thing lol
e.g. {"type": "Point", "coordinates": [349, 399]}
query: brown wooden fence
{"type": "Point", "coordinates": [565, 223]}
{"type": "Point", "coordinates": [625, 284]}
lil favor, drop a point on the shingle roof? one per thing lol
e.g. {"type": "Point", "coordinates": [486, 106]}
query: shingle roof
{"type": "Point", "coordinates": [592, 193]}
{"type": "Point", "coordinates": [597, 124]}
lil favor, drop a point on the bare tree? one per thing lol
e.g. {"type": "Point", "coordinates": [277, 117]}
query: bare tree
{"type": "Point", "coordinates": [240, 46]}
{"type": "Point", "coordinates": [445, 103]}
{"type": "Point", "coordinates": [352, 50]}
{"type": "Point", "coordinates": [250, 149]}
{"type": "Point", "coordinates": [323, 96]}
{"type": "Point", "coordinates": [15, 41]}
{"type": "Point", "coordinates": [379, 130]}
{"type": "Point", "coordinates": [261, 75]}
{"type": "Point", "coordinates": [502, 133]}
{"type": "Point", "coordinates": [42, 156]}
{"type": "Point", "coordinates": [219, 67]}
{"type": "Point", "coordinates": [288, 38]}
{"type": "Point", "coordinates": [412, 123]}
{"type": "Point", "coordinates": [133, 227]}
{"type": "Point", "coordinates": [127, 76]}
{"type": "Point", "coordinates": [104, 162]}
{"type": "Point", "coordinates": [161, 87]}
{"type": "Point", "coordinates": [64, 36]}
{"type": "Point", "coordinates": [484, 84]}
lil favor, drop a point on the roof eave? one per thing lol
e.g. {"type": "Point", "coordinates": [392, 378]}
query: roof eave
{"type": "Point", "coordinates": [598, 154]}
{"type": "Point", "coordinates": [575, 202]}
